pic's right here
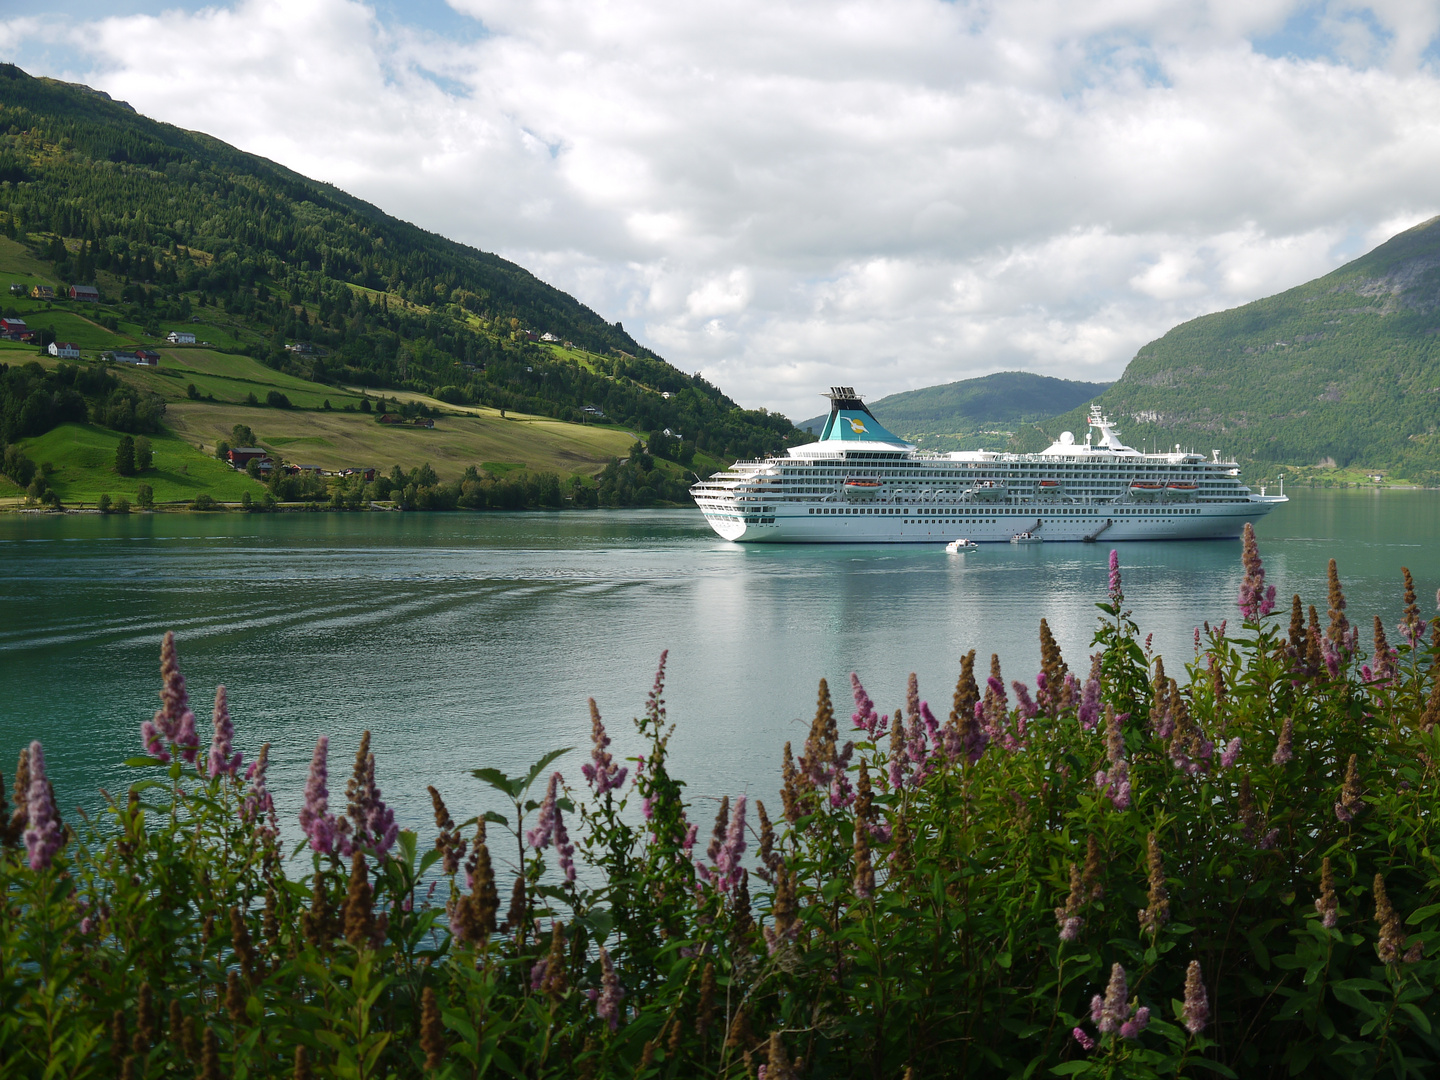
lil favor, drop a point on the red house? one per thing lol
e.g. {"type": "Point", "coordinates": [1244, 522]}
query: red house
{"type": "Point", "coordinates": [243, 455]}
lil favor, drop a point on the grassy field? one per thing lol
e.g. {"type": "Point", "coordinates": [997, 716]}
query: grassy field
{"type": "Point", "coordinates": [83, 460]}
{"type": "Point", "coordinates": [337, 440]}
{"type": "Point", "coordinates": [230, 378]}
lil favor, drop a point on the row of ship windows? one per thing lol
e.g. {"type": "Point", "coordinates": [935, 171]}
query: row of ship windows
{"type": "Point", "coordinates": [1169, 511]}
{"type": "Point", "coordinates": [967, 474]}
{"type": "Point", "coordinates": [1046, 470]}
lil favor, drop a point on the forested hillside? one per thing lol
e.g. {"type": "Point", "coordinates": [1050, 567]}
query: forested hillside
{"type": "Point", "coordinates": [1344, 370]}
{"type": "Point", "coordinates": [974, 412]}
{"type": "Point", "coordinates": [176, 226]}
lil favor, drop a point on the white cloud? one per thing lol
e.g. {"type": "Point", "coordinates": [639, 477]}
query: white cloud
{"type": "Point", "coordinates": [787, 194]}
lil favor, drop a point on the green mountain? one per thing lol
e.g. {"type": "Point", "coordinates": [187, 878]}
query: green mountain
{"type": "Point", "coordinates": [1343, 370]}
{"type": "Point", "coordinates": [176, 227]}
{"type": "Point", "coordinates": [975, 412]}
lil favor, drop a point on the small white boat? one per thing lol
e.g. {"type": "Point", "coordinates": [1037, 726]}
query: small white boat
{"type": "Point", "coordinates": [959, 547]}
{"type": "Point", "coordinates": [1026, 538]}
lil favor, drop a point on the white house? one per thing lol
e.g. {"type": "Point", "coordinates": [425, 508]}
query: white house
{"type": "Point", "coordinates": [180, 337]}
{"type": "Point", "coordinates": [65, 350]}
{"type": "Point", "coordinates": [549, 337]}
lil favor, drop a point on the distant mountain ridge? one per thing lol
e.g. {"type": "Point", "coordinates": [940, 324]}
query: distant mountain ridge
{"type": "Point", "coordinates": [1342, 370]}
{"type": "Point", "coordinates": [966, 414]}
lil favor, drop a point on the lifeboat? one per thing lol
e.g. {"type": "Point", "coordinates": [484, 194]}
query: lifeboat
{"type": "Point", "coordinates": [1180, 490]}
{"type": "Point", "coordinates": [987, 491]}
{"type": "Point", "coordinates": [1049, 485]}
{"type": "Point", "coordinates": [1145, 489]}
{"type": "Point", "coordinates": [858, 488]}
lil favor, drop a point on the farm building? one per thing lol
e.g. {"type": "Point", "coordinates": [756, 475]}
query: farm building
{"type": "Point", "coordinates": [87, 293]}
{"type": "Point", "coordinates": [42, 292]}
{"type": "Point", "coordinates": [180, 337]}
{"type": "Point", "coordinates": [64, 350]}
{"type": "Point", "coordinates": [241, 456]}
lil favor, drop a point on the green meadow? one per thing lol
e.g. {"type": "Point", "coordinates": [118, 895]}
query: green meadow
{"type": "Point", "coordinates": [81, 463]}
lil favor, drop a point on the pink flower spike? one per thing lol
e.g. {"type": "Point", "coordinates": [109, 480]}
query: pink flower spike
{"type": "Point", "coordinates": [43, 835]}
{"type": "Point", "coordinates": [315, 820]}
{"type": "Point", "coordinates": [607, 1004]}
{"type": "Point", "coordinates": [221, 758]}
{"type": "Point", "coordinates": [154, 744]}
{"type": "Point", "coordinates": [1086, 1042]}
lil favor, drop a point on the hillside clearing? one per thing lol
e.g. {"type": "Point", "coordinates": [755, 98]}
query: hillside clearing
{"type": "Point", "coordinates": [344, 440]}
{"type": "Point", "coordinates": [83, 460]}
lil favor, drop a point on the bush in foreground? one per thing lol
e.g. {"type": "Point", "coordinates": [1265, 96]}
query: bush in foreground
{"type": "Point", "coordinates": [1115, 873]}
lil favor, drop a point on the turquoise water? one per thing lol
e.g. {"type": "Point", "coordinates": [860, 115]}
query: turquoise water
{"type": "Point", "coordinates": [465, 640]}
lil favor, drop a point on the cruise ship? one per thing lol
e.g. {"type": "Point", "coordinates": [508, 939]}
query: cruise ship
{"type": "Point", "coordinates": [860, 484]}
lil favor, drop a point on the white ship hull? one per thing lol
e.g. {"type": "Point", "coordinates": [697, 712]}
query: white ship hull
{"type": "Point", "coordinates": [859, 484]}
{"type": "Point", "coordinates": [881, 525]}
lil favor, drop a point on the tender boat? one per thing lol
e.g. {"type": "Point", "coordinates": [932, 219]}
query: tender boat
{"type": "Point", "coordinates": [959, 547]}
{"type": "Point", "coordinates": [1026, 538]}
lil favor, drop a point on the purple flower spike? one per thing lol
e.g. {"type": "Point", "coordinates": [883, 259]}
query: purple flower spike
{"type": "Point", "coordinates": [601, 772]}
{"type": "Point", "coordinates": [1116, 595]}
{"type": "Point", "coordinates": [1113, 1008]}
{"type": "Point", "coordinates": [550, 829]}
{"type": "Point", "coordinates": [932, 725]}
{"type": "Point", "coordinates": [317, 823]}
{"type": "Point", "coordinates": [153, 740]}
{"type": "Point", "coordinates": [607, 1005]}
{"type": "Point", "coordinates": [1256, 598]}
{"type": "Point", "coordinates": [187, 739]}
{"type": "Point", "coordinates": [175, 720]}
{"type": "Point", "coordinates": [864, 715]}
{"type": "Point", "coordinates": [1028, 708]}
{"type": "Point", "coordinates": [1196, 1012]}
{"type": "Point", "coordinates": [727, 862]}
{"type": "Point", "coordinates": [257, 803]}
{"type": "Point", "coordinates": [1089, 711]}
{"type": "Point", "coordinates": [175, 702]}
{"type": "Point", "coordinates": [222, 759]}
{"type": "Point", "coordinates": [1132, 1028]}
{"type": "Point", "coordinates": [43, 835]}
{"type": "Point", "coordinates": [1230, 754]}
{"type": "Point", "coordinates": [1085, 1041]}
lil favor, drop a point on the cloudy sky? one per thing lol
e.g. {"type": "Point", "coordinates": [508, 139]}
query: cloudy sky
{"type": "Point", "coordinates": [786, 194]}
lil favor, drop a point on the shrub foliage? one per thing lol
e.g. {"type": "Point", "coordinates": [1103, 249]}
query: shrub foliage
{"type": "Point", "coordinates": [1219, 867]}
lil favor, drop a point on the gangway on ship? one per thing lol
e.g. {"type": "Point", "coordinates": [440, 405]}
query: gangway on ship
{"type": "Point", "coordinates": [1092, 537]}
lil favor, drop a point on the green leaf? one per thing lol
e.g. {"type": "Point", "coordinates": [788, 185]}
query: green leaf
{"type": "Point", "coordinates": [1206, 1063]}
{"type": "Point", "coordinates": [499, 781]}
{"type": "Point", "coordinates": [539, 766]}
{"type": "Point", "coordinates": [601, 921]}
{"type": "Point", "coordinates": [1070, 1068]}
{"type": "Point", "coordinates": [497, 818]}
{"type": "Point", "coordinates": [1418, 915]}
{"type": "Point", "coordinates": [1421, 1020]}
{"type": "Point", "coordinates": [142, 762]}
{"type": "Point", "coordinates": [408, 842]}
{"type": "Point", "coordinates": [457, 1023]}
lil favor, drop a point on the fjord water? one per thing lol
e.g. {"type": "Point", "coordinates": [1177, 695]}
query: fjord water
{"type": "Point", "coordinates": [465, 640]}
